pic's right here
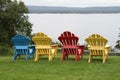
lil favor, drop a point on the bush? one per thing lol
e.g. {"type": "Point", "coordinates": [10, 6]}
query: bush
{"type": "Point", "coordinates": [5, 49]}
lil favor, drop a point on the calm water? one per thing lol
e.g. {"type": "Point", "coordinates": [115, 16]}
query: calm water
{"type": "Point", "coordinates": [82, 25]}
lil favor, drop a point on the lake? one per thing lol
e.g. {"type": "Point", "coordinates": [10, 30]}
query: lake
{"type": "Point", "coordinates": [81, 25]}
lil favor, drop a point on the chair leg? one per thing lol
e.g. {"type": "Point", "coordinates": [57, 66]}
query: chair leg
{"type": "Point", "coordinates": [15, 55]}
{"type": "Point", "coordinates": [90, 57]}
{"type": "Point", "coordinates": [33, 51]}
{"type": "Point", "coordinates": [27, 56]}
{"type": "Point", "coordinates": [32, 54]}
{"type": "Point", "coordinates": [81, 56]}
{"type": "Point", "coordinates": [36, 57]}
{"type": "Point", "coordinates": [55, 54]}
{"type": "Point", "coordinates": [66, 56]}
{"type": "Point", "coordinates": [77, 57]}
{"type": "Point", "coordinates": [63, 56]}
{"type": "Point", "coordinates": [104, 58]}
{"type": "Point", "coordinates": [50, 57]}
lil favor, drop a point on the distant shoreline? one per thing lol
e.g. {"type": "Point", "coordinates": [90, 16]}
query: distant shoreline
{"type": "Point", "coordinates": [74, 10]}
{"type": "Point", "coordinates": [72, 13]}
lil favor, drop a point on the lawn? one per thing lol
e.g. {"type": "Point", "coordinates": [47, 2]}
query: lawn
{"type": "Point", "coordinates": [56, 69]}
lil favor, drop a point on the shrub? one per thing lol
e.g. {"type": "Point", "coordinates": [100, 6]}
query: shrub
{"type": "Point", "coordinates": [5, 49]}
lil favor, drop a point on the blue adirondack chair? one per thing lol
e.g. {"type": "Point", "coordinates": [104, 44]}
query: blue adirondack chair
{"type": "Point", "coordinates": [21, 46]}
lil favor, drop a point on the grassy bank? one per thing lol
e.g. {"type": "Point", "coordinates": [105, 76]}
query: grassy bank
{"type": "Point", "coordinates": [59, 70]}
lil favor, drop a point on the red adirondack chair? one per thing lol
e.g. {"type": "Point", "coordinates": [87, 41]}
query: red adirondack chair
{"type": "Point", "coordinates": [70, 45]}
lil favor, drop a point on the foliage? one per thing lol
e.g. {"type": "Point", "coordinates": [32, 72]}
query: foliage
{"type": "Point", "coordinates": [85, 46]}
{"type": "Point", "coordinates": [13, 20]}
{"type": "Point", "coordinates": [56, 42]}
{"type": "Point", "coordinates": [5, 50]}
{"type": "Point", "coordinates": [59, 70]}
{"type": "Point", "coordinates": [117, 46]}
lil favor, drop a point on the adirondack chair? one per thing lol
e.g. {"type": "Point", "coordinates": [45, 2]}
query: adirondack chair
{"type": "Point", "coordinates": [70, 45]}
{"type": "Point", "coordinates": [21, 46]}
{"type": "Point", "coordinates": [97, 46]}
{"type": "Point", "coordinates": [43, 46]}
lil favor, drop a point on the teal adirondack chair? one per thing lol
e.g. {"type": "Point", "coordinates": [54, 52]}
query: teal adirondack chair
{"type": "Point", "coordinates": [21, 46]}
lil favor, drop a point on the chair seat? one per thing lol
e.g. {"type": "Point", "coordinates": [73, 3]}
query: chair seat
{"type": "Point", "coordinates": [69, 46]}
{"type": "Point", "coordinates": [43, 47]}
{"type": "Point", "coordinates": [20, 47]}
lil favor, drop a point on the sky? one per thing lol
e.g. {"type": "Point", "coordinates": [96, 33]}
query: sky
{"type": "Point", "coordinates": [72, 3]}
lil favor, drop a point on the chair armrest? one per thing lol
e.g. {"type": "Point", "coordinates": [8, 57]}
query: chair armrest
{"type": "Point", "coordinates": [88, 46]}
{"type": "Point", "coordinates": [107, 49]}
{"type": "Point", "coordinates": [54, 48]}
{"type": "Point", "coordinates": [81, 48]}
{"type": "Point", "coordinates": [32, 48]}
{"type": "Point", "coordinates": [107, 46]}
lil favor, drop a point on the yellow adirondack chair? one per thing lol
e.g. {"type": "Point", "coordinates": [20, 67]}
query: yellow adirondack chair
{"type": "Point", "coordinates": [97, 46]}
{"type": "Point", "coordinates": [43, 46]}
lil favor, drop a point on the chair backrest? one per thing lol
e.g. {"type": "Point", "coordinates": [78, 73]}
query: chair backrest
{"type": "Point", "coordinates": [68, 38]}
{"type": "Point", "coordinates": [20, 40]}
{"type": "Point", "coordinates": [41, 39]}
{"type": "Point", "coordinates": [96, 40]}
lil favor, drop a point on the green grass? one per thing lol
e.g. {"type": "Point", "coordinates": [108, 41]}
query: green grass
{"type": "Point", "coordinates": [56, 69]}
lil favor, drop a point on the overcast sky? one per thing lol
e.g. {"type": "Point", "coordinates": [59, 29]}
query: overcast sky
{"type": "Point", "coordinates": [73, 3]}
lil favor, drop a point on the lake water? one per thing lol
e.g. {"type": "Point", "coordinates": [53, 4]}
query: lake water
{"type": "Point", "coordinates": [81, 25]}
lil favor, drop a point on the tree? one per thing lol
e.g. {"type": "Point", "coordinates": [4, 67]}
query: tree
{"type": "Point", "coordinates": [13, 20]}
{"type": "Point", "coordinates": [117, 46]}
